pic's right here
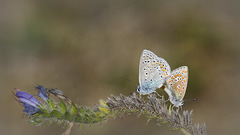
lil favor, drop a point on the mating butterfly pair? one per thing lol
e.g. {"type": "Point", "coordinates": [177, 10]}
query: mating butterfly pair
{"type": "Point", "coordinates": [154, 71]}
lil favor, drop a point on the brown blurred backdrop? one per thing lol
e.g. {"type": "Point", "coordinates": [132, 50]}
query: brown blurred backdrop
{"type": "Point", "coordinates": [88, 49]}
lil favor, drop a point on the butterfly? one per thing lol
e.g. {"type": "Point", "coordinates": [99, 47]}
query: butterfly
{"type": "Point", "coordinates": [153, 71]}
{"type": "Point", "coordinates": [176, 85]}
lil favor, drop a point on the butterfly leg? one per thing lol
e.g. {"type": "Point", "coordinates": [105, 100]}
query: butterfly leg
{"type": "Point", "coordinates": [140, 95]}
{"type": "Point", "coordinates": [181, 107]}
{"type": "Point", "coordinates": [177, 109]}
{"type": "Point", "coordinates": [158, 94]}
{"type": "Point", "coordinates": [167, 100]}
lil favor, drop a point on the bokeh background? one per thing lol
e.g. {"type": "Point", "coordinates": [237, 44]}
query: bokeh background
{"type": "Point", "coordinates": [88, 49]}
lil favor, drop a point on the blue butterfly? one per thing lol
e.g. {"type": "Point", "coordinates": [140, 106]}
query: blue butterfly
{"type": "Point", "coordinates": [153, 71]}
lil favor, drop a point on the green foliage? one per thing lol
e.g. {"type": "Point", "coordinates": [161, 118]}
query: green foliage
{"type": "Point", "coordinates": [151, 107]}
{"type": "Point", "coordinates": [61, 111]}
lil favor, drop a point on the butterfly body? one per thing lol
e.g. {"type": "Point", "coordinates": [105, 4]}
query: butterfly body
{"type": "Point", "coordinates": [153, 71]}
{"type": "Point", "coordinates": [176, 85]}
{"type": "Point", "coordinates": [147, 88]}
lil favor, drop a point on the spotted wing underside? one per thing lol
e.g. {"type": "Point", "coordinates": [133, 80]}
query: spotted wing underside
{"type": "Point", "coordinates": [153, 70]}
{"type": "Point", "coordinates": [177, 82]}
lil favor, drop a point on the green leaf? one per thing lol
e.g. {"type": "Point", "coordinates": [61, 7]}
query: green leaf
{"type": "Point", "coordinates": [68, 116]}
{"type": "Point", "coordinates": [103, 103]}
{"type": "Point", "coordinates": [57, 114]}
{"type": "Point", "coordinates": [78, 119]}
{"type": "Point", "coordinates": [63, 107]}
{"type": "Point", "coordinates": [74, 110]}
{"type": "Point", "coordinates": [51, 104]}
{"type": "Point", "coordinates": [36, 119]}
{"type": "Point", "coordinates": [80, 126]}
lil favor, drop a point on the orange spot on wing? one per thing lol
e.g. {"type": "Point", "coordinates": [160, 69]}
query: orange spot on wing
{"type": "Point", "coordinates": [183, 77]}
{"type": "Point", "coordinates": [184, 80]}
{"type": "Point", "coordinates": [164, 70]}
{"type": "Point", "coordinates": [161, 66]}
{"type": "Point", "coordinates": [175, 76]}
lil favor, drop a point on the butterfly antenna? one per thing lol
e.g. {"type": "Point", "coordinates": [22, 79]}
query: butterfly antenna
{"type": "Point", "coordinates": [194, 99]}
{"type": "Point", "coordinates": [132, 82]}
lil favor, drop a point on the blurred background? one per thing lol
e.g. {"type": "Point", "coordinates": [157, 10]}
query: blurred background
{"type": "Point", "coordinates": [88, 49]}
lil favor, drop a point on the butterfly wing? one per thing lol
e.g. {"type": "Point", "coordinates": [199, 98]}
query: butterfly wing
{"type": "Point", "coordinates": [153, 70]}
{"type": "Point", "coordinates": [177, 82]}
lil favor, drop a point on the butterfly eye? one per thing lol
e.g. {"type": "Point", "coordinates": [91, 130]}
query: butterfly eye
{"type": "Point", "coordinates": [138, 90]}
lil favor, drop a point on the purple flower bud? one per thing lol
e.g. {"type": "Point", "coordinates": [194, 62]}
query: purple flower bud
{"type": "Point", "coordinates": [29, 102]}
{"type": "Point", "coordinates": [27, 97]}
{"type": "Point", "coordinates": [30, 109]}
{"type": "Point", "coordinates": [42, 92]}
